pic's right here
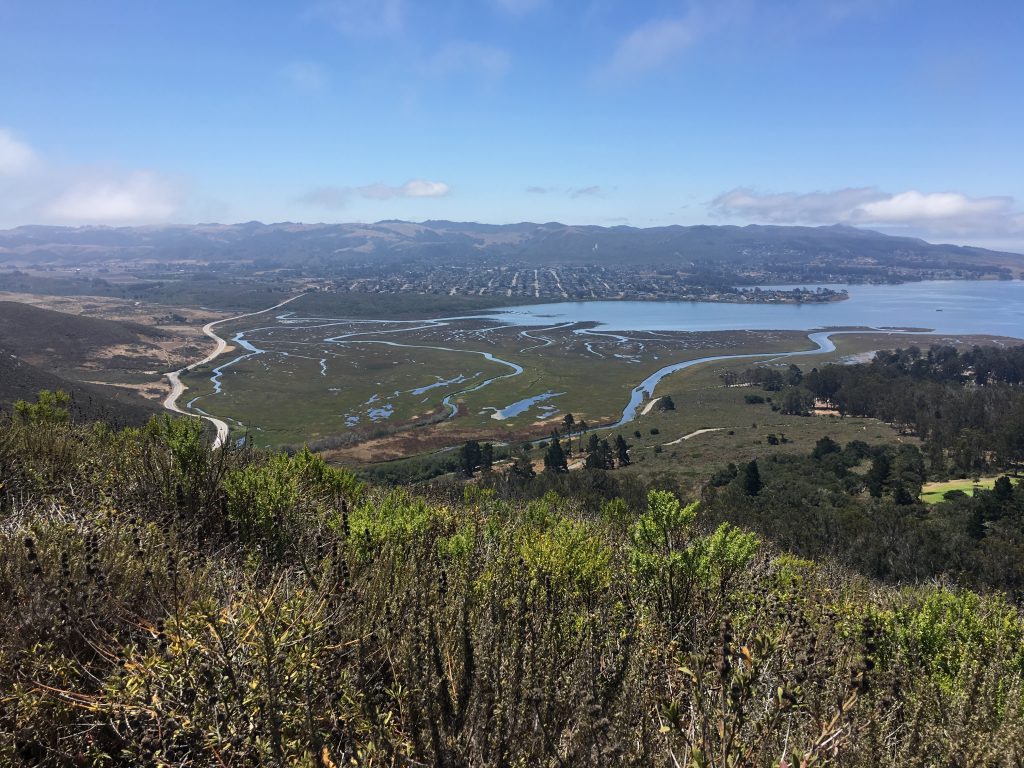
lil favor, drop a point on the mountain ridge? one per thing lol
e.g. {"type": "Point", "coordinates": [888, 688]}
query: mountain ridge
{"type": "Point", "coordinates": [435, 240]}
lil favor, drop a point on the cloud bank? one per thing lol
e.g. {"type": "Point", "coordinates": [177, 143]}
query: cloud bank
{"type": "Point", "coordinates": [33, 189]}
{"type": "Point", "coordinates": [932, 213]}
{"type": "Point", "coordinates": [140, 197]}
{"type": "Point", "coordinates": [15, 156]}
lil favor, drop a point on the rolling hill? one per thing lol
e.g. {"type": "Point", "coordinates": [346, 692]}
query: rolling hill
{"type": "Point", "coordinates": [22, 381]}
{"type": "Point", "coordinates": [45, 349]}
{"type": "Point", "coordinates": [313, 245]}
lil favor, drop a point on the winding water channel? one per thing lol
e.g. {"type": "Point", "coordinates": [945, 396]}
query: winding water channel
{"type": "Point", "coordinates": [946, 307]}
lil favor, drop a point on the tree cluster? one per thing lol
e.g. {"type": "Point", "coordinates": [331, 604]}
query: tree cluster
{"type": "Point", "coordinates": [968, 407]}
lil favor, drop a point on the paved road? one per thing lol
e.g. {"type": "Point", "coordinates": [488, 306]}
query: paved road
{"type": "Point", "coordinates": [174, 377]}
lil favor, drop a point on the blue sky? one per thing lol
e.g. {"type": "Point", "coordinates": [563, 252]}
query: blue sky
{"type": "Point", "coordinates": [902, 115]}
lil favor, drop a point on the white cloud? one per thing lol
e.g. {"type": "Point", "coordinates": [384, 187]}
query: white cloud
{"type": "Point", "coordinates": [791, 207]}
{"type": "Point", "coordinates": [339, 197]}
{"type": "Point", "coordinates": [362, 18]}
{"type": "Point", "coordinates": [15, 156]}
{"type": "Point", "coordinates": [411, 188]}
{"type": "Point", "coordinates": [654, 43]}
{"type": "Point", "coordinates": [930, 213]}
{"type": "Point", "coordinates": [34, 190]}
{"type": "Point", "coordinates": [306, 76]}
{"type": "Point", "coordinates": [421, 188]}
{"type": "Point", "coordinates": [913, 206]}
{"type": "Point", "coordinates": [465, 57]}
{"type": "Point", "coordinates": [141, 197]}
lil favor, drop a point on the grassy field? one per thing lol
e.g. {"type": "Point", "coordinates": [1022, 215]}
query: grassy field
{"type": "Point", "coordinates": [742, 431]}
{"type": "Point", "coordinates": [738, 431]}
{"type": "Point", "coordinates": [933, 493]}
{"type": "Point", "coordinates": [373, 382]}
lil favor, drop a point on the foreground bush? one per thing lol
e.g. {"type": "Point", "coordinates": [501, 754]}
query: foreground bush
{"type": "Point", "coordinates": [163, 605]}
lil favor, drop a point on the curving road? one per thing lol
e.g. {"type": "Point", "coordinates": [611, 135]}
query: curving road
{"type": "Point", "coordinates": [174, 377]}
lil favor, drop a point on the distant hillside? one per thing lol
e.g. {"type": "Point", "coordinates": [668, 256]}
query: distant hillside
{"type": "Point", "coordinates": [21, 381]}
{"type": "Point", "coordinates": [62, 341]}
{"type": "Point", "coordinates": [44, 349]}
{"type": "Point", "coordinates": [313, 245]}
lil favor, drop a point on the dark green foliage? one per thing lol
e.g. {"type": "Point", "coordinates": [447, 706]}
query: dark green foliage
{"type": "Point", "coordinates": [968, 407]}
{"type": "Point", "coordinates": [554, 458]}
{"type": "Point", "coordinates": [796, 401]}
{"type": "Point", "coordinates": [599, 454]}
{"type": "Point", "coordinates": [522, 469]}
{"type": "Point", "coordinates": [824, 447]}
{"type": "Point", "coordinates": [768, 379]}
{"type": "Point", "coordinates": [752, 479]}
{"type": "Point", "coordinates": [470, 457]}
{"type": "Point", "coordinates": [622, 451]}
{"type": "Point", "coordinates": [860, 506]}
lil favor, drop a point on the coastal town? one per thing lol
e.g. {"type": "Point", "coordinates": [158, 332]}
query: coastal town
{"type": "Point", "coordinates": [568, 283]}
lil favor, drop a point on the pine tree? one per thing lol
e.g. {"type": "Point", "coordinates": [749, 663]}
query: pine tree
{"type": "Point", "coordinates": [469, 457]}
{"type": "Point", "coordinates": [621, 451]}
{"type": "Point", "coordinates": [554, 459]}
{"type": "Point", "coordinates": [752, 484]}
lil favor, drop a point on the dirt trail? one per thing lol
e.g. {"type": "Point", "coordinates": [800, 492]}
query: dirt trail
{"type": "Point", "coordinates": [651, 404]}
{"type": "Point", "coordinates": [174, 377]}
{"type": "Point", "coordinates": [694, 434]}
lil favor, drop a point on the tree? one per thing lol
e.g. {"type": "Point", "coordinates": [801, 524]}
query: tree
{"type": "Point", "coordinates": [599, 454]}
{"type": "Point", "coordinates": [796, 401]}
{"type": "Point", "coordinates": [622, 451]}
{"type": "Point", "coordinates": [486, 456]}
{"type": "Point", "coordinates": [878, 474]}
{"type": "Point", "coordinates": [825, 446]}
{"type": "Point", "coordinates": [554, 458]}
{"type": "Point", "coordinates": [752, 484]}
{"type": "Point", "coordinates": [570, 423]}
{"type": "Point", "coordinates": [470, 457]}
{"type": "Point", "coordinates": [666, 403]}
{"type": "Point", "coordinates": [522, 469]}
